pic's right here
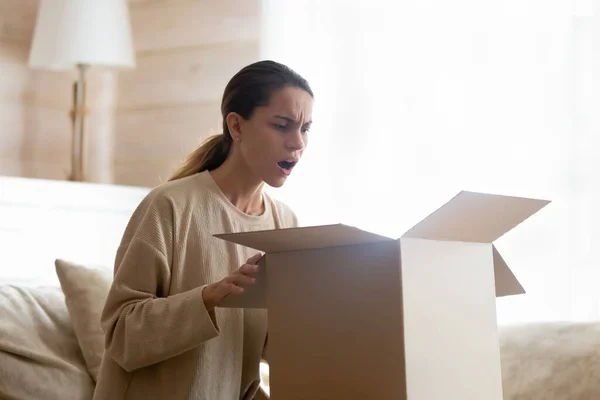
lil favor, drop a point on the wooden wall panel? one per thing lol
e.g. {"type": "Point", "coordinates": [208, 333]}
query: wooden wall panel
{"type": "Point", "coordinates": [34, 124]}
{"type": "Point", "coordinates": [145, 174]}
{"type": "Point", "coordinates": [19, 83]}
{"type": "Point", "coordinates": [13, 52]}
{"type": "Point", "coordinates": [14, 82]}
{"type": "Point", "coordinates": [36, 127]}
{"type": "Point", "coordinates": [53, 89]}
{"type": "Point", "coordinates": [100, 126]}
{"type": "Point", "coordinates": [141, 123]}
{"type": "Point", "coordinates": [33, 119]}
{"type": "Point", "coordinates": [157, 139]}
{"type": "Point", "coordinates": [17, 19]}
{"type": "Point", "coordinates": [165, 130]}
{"type": "Point", "coordinates": [33, 136]}
{"type": "Point", "coordinates": [187, 50]}
{"type": "Point", "coordinates": [178, 76]}
{"type": "Point", "coordinates": [35, 133]}
{"type": "Point", "coordinates": [33, 169]}
{"type": "Point", "coordinates": [164, 25]}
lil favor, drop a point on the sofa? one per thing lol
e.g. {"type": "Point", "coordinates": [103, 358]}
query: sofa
{"type": "Point", "coordinates": [51, 344]}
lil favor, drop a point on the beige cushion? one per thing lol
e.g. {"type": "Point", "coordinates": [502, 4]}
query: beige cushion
{"type": "Point", "coordinates": [85, 289]}
{"type": "Point", "coordinates": [39, 354]}
{"type": "Point", "coordinates": [551, 360]}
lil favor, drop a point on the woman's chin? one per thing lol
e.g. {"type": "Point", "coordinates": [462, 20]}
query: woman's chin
{"type": "Point", "coordinates": [276, 182]}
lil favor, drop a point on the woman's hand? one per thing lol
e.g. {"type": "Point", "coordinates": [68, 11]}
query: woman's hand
{"type": "Point", "coordinates": [233, 284]}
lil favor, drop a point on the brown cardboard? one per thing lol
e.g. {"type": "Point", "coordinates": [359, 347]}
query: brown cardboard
{"type": "Point", "coordinates": [304, 238]}
{"type": "Point", "coordinates": [356, 315]}
{"type": "Point", "coordinates": [506, 283]}
{"type": "Point", "coordinates": [335, 330]}
{"type": "Point", "coordinates": [476, 217]}
{"type": "Point", "coordinates": [254, 296]}
{"type": "Point", "coordinates": [468, 217]}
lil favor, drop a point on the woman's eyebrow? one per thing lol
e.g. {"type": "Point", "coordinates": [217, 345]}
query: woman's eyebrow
{"type": "Point", "coordinates": [292, 120]}
{"type": "Point", "coordinates": [288, 119]}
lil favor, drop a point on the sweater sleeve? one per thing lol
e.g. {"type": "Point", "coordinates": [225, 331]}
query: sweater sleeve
{"type": "Point", "coordinates": [141, 326]}
{"type": "Point", "coordinates": [143, 329]}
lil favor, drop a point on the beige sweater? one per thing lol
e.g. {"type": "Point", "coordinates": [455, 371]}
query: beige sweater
{"type": "Point", "coordinates": [161, 342]}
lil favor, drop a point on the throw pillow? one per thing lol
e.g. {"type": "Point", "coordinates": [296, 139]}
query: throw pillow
{"type": "Point", "coordinates": [85, 289]}
{"type": "Point", "coordinates": [39, 354]}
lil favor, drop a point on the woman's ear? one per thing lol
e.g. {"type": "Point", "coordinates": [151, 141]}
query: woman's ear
{"type": "Point", "coordinates": [234, 123]}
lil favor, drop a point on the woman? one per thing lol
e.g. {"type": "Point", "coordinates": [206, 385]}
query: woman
{"type": "Point", "coordinates": [166, 337]}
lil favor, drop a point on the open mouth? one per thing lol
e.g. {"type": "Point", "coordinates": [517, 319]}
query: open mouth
{"type": "Point", "coordinates": [287, 166]}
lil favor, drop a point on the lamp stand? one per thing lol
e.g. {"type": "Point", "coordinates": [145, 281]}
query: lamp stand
{"type": "Point", "coordinates": [78, 119]}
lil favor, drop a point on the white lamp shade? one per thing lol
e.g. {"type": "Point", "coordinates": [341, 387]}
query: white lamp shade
{"type": "Point", "coordinates": [91, 32]}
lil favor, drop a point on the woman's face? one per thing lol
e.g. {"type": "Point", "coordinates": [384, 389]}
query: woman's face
{"type": "Point", "coordinates": [272, 141]}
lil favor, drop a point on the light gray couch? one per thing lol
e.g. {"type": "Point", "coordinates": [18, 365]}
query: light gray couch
{"type": "Point", "coordinates": [40, 356]}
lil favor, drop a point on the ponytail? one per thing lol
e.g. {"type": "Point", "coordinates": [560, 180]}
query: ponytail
{"type": "Point", "coordinates": [208, 156]}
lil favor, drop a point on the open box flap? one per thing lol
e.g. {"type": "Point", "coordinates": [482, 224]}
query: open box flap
{"type": "Point", "coordinates": [476, 217]}
{"type": "Point", "coordinates": [506, 282]}
{"type": "Point", "coordinates": [313, 237]}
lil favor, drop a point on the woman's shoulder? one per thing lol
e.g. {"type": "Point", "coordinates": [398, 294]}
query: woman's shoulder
{"type": "Point", "coordinates": [161, 206]}
{"type": "Point", "coordinates": [179, 190]}
{"type": "Point", "coordinates": [167, 197]}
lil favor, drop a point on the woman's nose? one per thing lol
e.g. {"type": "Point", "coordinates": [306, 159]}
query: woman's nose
{"type": "Point", "coordinates": [296, 142]}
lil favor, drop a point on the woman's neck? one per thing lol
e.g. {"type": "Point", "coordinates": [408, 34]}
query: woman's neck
{"type": "Point", "coordinates": [240, 186]}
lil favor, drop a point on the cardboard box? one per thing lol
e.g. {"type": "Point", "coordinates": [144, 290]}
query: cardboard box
{"type": "Point", "coordinates": [355, 315]}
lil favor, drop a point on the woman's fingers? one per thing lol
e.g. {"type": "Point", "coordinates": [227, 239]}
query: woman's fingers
{"type": "Point", "coordinates": [232, 288]}
{"type": "Point", "coordinates": [248, 269]}
{"type": "Point", "coordinates": [240, 279]}
{"type": "Point", "coordinates": [234, 283]}
{"type": "Point", "coordinates": [254, 259]}
{"type": "Point", "coordinates": [225, 288]}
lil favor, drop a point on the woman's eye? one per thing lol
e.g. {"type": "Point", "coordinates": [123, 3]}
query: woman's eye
{"type": "Point", "coordinates": [282, 127]}
{"type": "Point", "coordinates": [305, 130]}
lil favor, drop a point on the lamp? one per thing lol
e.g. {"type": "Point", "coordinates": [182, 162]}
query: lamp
{"type": "Point", "coordinates": [79, 34]}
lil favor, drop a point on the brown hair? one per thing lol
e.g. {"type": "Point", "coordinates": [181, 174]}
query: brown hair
{"type": "Point", "coordinates": [251, 87]}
